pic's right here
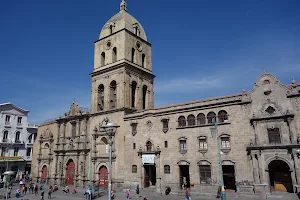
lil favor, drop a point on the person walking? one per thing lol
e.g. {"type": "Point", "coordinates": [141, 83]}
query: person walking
{"type": "Point", "coordinates": [49, 193]}
{"type": "Point", "coordinates": [42, 195]}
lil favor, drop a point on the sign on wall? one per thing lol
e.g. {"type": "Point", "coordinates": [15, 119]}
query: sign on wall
{"type": "Point", "coordinates": [148, 158]}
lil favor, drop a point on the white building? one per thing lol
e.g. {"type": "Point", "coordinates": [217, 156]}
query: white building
{"type": "Point", "coordinates": [16, 138]}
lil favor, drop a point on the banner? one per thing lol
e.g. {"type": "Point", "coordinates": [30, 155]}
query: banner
{"type": "Point", "coordinates": [11, 157]}
{"type": "Point", "coordinates": [148, 158]}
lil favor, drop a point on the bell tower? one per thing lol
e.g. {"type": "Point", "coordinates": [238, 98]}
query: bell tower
{"type": "Point", "coordinates": [122, 76]}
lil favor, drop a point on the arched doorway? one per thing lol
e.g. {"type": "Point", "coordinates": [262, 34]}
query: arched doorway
{"type": "Point", "coordinates": [280, 176]}
{"type": "Point", "coordinates": [70, 172]}
{"type": "Point", "coordinates": [103, 177]}
{"type": "Point", "coordinates": [44, 173]}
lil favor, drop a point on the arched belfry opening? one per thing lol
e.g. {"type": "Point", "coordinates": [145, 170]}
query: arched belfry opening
{"type": "Point", "coordinates": [143, 60]}
{"type": "Point", "coordinates": [280, 176]}
{"type": "Point", "coordinates": [102, 58]}
{"type": "Point", "coordinates": [145, 97]}
{"type": "Point", "coordinates": [114, 54]}
{"type": "Point", "coordinates": [113, 95]}
{"type": "Point", "coordinates": [133, 94]}
{"type": "Point", "coordinates": [101, 97]}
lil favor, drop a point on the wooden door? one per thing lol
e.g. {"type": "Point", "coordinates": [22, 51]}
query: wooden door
{"type": "Point", "coordinates": [146, 176]}
{"type": "Point", "coordinates": [103, 177]}
{"type": "Point", "coordinates": [44, 173]}
{"type": "Point", "coordinates": [70, 172]}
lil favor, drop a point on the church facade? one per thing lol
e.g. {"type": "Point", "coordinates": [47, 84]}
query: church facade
{"type": "Point", "coordinates": [259, 130]}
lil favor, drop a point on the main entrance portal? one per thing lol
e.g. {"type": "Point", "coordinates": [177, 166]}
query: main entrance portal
{"type": "Point", "coordinates": [280, 176]}
{"type": "Point", "coordinates": [103, 177]}
{"type": "Point", "coordinates": [44, 173]}
{"type": "Point", "coordinates": [229, 177]}
{"type": "Point", "coordinates": [184, 175]}
{"type": "Point", "coordinates": [149, 175]}
{"type": "Point", "coordinates": [70, 172]}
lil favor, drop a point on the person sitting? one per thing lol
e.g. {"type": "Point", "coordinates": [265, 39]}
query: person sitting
{"type": "Point", "coordinates": [112, 195]}
{"type": "Point", "coordinates": [65, 189]}
{"type": "Point", "coordinates": [168, 190]}
{"type": "Point", "coordinates": [74, 191]}
{"type": "Point", "coordinates": [18, 193]}
{"type": "Point", "coordinates": [55, 188]}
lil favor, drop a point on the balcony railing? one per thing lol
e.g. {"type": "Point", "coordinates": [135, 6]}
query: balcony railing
{"type": "Point", "coordinates": [4, 140]}
{"type": "Point", "coordinates": [18, 141]}
{"type": "Point", "coordinates": [19, 124]}
{"type": "Point", "coordinates": [7, 123]}
{"type": "Point", "coordinates": [33, 126]}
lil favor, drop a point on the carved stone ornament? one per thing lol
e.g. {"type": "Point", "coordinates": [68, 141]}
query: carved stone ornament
{"type": "Point", "coordinates": [134, 128]}
{"type": "Point", "coordinates": [47, 134]}
{"type": "Point", "coordinates": [149, 124]}
{"type": "Point", "coordinates": [104, 122]}
{"type": "Point", "coordinates": [74, 110]}
{"type": "Point", "coordinates": [71, 146]}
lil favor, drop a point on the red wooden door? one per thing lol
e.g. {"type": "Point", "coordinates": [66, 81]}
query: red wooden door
{"type": "Point", "coordinates": [44, 173]}
{"type": "Point", "coordinates": [103, 177]}
{"type": "Point", "coordinates": [70, 172]}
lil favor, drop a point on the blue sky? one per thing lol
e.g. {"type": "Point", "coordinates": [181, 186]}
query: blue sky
{"type": "Point", "coordinates": [200, 49]}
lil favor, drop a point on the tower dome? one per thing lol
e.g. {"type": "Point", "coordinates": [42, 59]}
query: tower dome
{"type": "Point", "coordinates": [123, 20]}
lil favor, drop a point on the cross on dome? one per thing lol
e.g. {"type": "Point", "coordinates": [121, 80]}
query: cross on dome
{"type": "Point", "coordinates": [123, 5]}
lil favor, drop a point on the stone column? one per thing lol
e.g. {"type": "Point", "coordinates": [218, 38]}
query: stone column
{"type": "Point", "coordinates": [77, 167]}
{"type": "Point", "coordinates": [255, 169]}
{"type": "Point", "coordinates": [158, 175]}
{"type": "Point", "coordinates": [297, 167]}
{"type": "Point", "coordinates": [260, 167]}
{"type": "Point", "coordinates": [56, 168]}
{"type": "Point", "coordinates": [140, 176]}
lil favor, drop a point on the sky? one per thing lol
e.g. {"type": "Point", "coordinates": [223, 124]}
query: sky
{"type": "Point", "coordinates": [200, 48]}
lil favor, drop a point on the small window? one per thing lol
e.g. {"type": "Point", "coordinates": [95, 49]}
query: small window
{"type": "Point", "coordinates": [16, 151]}
{"type": "Point", "coordinates": [266, 82]}
{"type": "Point", "coordinates": [274, 136]}
{"type": "Point", "coordinates": [149, 146]}
{"type": "Point", "coordinates": [28, 152]}
{"type": "Point", "coordinates": [7, 118]}
{"type": "Point", "coordinates": [205, 174]}
{"type": "Point", "coordinates": [134, 169]}
{"type": "Point", "coordinates": [5, 136]}
{"type": "Point", "coordinates": [225, 142]}
{"type": "Point", "coordinates": [102, 58]}
{"type": "Point", "coordinates": [181, 121]}
{"type": "Point", "coordinates": [167, 169]}
{"type": "Point", "coordinates": [134, 128]}
{"type": "Point", "coordinates": [19, 120]}
{"type": "Point", "coordinates": [134, 146]}
{"type": "Point", "coordinates": [165, 125]}
{"type": "Point", "coordinates": [132, 54]}
{"type": "Point", "coordinates": [143, 60]}
{"type": "Point", "coordinates": [73, 130]}
{"type": "Point", "coordinates": [111, 29]}
{"type": "Point", "coordinates": [17, 138]}
{"type": "Point", "coordinates": [166, 144]}
{"type": "Point", "coordinates": [202, 143]}
{"type": "Point", "coordinates": [270, 110]}
{"type": "Point", "coordinates": [182, 146]}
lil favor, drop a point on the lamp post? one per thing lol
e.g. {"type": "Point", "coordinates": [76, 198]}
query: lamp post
{"type": "Point", "coordinates": [9, 142]}
{"type": "Point", "coordinates": [214, 133]}
{"type": "Point", "coordinates": [110, 129]}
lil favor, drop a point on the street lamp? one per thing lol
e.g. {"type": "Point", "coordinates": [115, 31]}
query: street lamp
{"type": "Point", "coordinates": [110, 129]}
{"type": "Point", "coordinates": [214, 133]}
{"type": "Point", "coordinates": [8, 173]}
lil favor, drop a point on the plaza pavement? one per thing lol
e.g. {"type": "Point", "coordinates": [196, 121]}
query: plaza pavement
{"type": "Point", "coordinates": [151, 194]}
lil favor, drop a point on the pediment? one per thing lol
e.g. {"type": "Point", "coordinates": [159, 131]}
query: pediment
{"type": "Point", "coordinates": [183, 162]}
{"type": "Point", "coordinates": [12, 110]}
{"type": "Point", "coordinates": [74, 110]}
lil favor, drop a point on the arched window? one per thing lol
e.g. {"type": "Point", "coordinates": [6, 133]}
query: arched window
{"type": "Point", "coordinates": [222, 116]}
{"type": "Point", "coordinates": [133, 94]}
{"type": "Point", "coordinates": [143, 60]}
{"type": "Point", "coordinates": [167, 169]}
{"type": "Point", "coordinates": [181, 121]}
{"type": "Point", "coordinates": [211, 116]}
{"type": "Point", "coordinates": [102, 59]}
{"type": "Point", "coordinates": [5, 136]}
{"type": "Point", "coordinates": [111, 29]}
{"type": "Point", "coordinates": [134, 169]}
{"type": "Point", "coordinates": [113, 95]}
{"type": "Point", "coordinates": [149, 146]}
{"type": "Point", "coordinates": [144, 96]}
{"type": "Point", "coordinates": [114, 56]}
{"type": "Point", "coordinates": [132, 54]}
{"type": "Point", "coordinates": [201, 119]}
{"type": "Point", "coordinates": [191, 120]}
{"type": "Point", "coordinates": [101, 97]}
{"type": "Point", "coordinates": [17, 138]}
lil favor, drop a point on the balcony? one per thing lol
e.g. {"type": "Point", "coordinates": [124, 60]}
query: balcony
{"type": "Point", "coordinates": [149, 149]}
{"type": "Point", "coordinates": [19, 124]}
{"type": "Point", "coordinates": [32, 126]}
{"type": "Point", "coordinates": [4, 140]}
{"type": "Point", "coordinates": [18, 141]}
{"type": "Point", "coordinates": [7, 123]}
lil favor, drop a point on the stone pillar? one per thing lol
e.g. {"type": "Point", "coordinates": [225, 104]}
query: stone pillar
{"type": "Point", "coordinates": [297, 168]}
{"type": "Point", "coordinates": [158, 175]}
{"type": "Point", "coordinates": [141, 167]}
{"type": "Point", "coordinates": [255, 168]}
{"type": "Point", "coordinates": [260, 167]}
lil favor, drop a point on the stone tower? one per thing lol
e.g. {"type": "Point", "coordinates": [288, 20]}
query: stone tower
{"type": "Point", "coordinates": [122, 78]}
